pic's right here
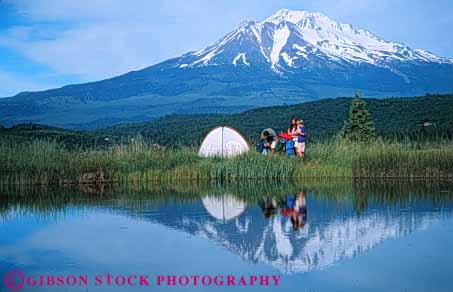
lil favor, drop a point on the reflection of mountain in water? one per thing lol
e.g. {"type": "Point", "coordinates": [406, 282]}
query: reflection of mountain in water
{"type": "Point", "coordinates": [342, 222]}
{"type": "Point", "coordinates": [333, 232]}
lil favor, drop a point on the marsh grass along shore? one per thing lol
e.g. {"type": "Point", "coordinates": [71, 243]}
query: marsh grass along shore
{"type": "Point", "coordinates": [44, 162]}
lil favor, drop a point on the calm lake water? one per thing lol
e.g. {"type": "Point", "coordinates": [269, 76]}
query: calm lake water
{"type": "Point", "coordinates": [316, 236]}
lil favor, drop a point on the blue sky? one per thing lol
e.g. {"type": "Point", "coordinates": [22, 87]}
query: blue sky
{"type": "Point", "coordinates": [50, 43]}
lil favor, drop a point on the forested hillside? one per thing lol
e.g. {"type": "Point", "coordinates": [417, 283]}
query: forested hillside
{"type": "Point", "coordinates": [393, 118]}
{"type": "Point", "coordinates": [425, 117]}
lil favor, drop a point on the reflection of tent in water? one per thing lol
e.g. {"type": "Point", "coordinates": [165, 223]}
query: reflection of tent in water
{"type": "Point", "coordinates": [223, 208]}
{"type": "Point", "coordinates": [223, 141]}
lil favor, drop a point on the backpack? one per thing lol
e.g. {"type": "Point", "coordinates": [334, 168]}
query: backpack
{"type": "Point", "coordinates": [260, 146]}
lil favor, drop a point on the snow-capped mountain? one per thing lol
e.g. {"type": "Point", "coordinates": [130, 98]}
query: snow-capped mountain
{"type": "Point", "coordinates": [290, 57]}
{"type": "Point", "coordinates": [332, 233]}
{"type": "Point", "coordinates": [292, 39]}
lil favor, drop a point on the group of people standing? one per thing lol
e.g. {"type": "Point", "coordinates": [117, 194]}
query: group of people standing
{"type": "Point", "coordinates": [297, 132]}
{"type": "Point", "coordinates": [293, 141]}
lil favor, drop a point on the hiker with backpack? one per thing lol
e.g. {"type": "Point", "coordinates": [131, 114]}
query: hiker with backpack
{"type": "Point", "coordinates": [293, 140]}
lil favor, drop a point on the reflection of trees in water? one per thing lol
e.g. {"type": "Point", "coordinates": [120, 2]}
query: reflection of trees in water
{"type": "Point", "coordinates": [392, 192]}
{"type": "Point", "coordinates": [42, 199]}
{"type": "Point", "coordinates": [344, 218]}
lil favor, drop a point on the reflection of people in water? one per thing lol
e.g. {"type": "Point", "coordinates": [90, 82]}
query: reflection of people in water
{"type": "Point", "coordinates": [296, 210]}
{"type": "Point", "coordinates": [269, 207]}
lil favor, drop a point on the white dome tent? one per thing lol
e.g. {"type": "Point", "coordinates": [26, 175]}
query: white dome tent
{"type": "Point", "coordinates": [223, 141]}
{"type": "Point", "coordinates": [223, 208]}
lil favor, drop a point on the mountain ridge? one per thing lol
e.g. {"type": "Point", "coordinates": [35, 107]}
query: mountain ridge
{"type": "Point", "coordinates": [291, 57]}
{"type": "Point", "coordinates": [343, 42]}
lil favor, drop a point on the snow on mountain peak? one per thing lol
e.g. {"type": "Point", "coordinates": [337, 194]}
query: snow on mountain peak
{"type": "Point", "coordinates": [291, 38]}
{"type": "Point", "coordinates": [280, 38]}
{"type": "Point", "coordinates": [293, 16]}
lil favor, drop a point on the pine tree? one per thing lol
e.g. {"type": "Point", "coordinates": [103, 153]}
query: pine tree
{"type": "Point", "coordinates": [359, 127]}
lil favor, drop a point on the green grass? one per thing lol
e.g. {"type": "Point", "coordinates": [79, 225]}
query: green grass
{"type": "Point", "coordinates": [380, 159]}
{"type": "Point", "coordinates": [41, 162]}
{"type": "Point", "coordinates": [396, 162]}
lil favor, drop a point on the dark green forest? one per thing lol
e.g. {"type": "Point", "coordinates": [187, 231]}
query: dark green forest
{"type": "Point", "coordinates": [425, 117]}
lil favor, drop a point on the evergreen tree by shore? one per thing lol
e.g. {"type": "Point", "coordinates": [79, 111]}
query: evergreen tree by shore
{"type": "Point", "coordinates": [359, 126]}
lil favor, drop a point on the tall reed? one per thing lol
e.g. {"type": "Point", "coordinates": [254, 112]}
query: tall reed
{"type": "Point", "coordinates": [44, 162]}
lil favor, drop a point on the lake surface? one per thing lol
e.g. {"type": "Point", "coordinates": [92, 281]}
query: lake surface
{"type": "Point", "coordinates": [312, 236]}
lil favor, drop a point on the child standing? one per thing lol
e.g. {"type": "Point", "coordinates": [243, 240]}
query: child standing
{"type": "Point", "coordinates": [301, 138]}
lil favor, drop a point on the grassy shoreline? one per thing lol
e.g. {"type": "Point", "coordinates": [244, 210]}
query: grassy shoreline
{"type": "Point", "coordinates": [44, 162]}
